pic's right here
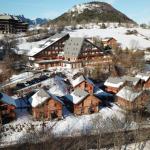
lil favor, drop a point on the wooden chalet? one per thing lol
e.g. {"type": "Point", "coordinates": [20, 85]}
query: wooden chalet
{"type": "Point", "coordinates": [110, 41]}
{"type": "Point", "coordinates": [114, 84]}
{"type": "Point", "coordinates": [46, 106]}
{"type": "Point", "coordinates": [83, 83]}
{"type": "Point", "coordinates": [78, 52]}
{"type": "Point", "coordinates": [7, 107]}
{"type": "Point", "coordinates": [83, 102]}
{"type": "Point", "coordinates": [133, 82]}
{"type": "Point", "coordinates": [145, 78]}
{"type": "Point", "coordinates": [51, 52]}
{"type": "Point", "coordinates": [131, 99]}
{"type": "Point", "coordinates": [12, 24]}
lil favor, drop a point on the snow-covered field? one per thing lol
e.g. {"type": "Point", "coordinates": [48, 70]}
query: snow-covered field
{"type": "Point", "coordinates": [141, 40]}
{"type": "Point", "coordinates": [138, 41]}
{"type": "Point", "coordinates": [69, 126]}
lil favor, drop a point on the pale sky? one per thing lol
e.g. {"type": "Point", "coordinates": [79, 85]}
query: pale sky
{"type": "Point", "coordinates": [138, 10]}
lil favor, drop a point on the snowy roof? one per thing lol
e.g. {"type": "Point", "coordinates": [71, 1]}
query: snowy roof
{"type": "Point", "coordinates": [107, 39]}
{"type": "Point", "coordinates": [49, 42]}
{"type": "Point", "coordinates": [128, 94]}
{"type": "Point", "coordinates": [77, 96]}
{"type": "Point", "coordinates": [39, 98]}
{"type": "Point", "coordinates": [77, 81]}
{"type": "Point", "coordinates": [56, 98]}
{"type": "Point", "coordinates": [58, 87]}
{"type": "Point", "coordinates": [48, 61]}
{"type": "Point", "coordinates": [22, 76]}
{"type": "Point", "coordinates": [15, 18]}
{"type": "Point", "coordinates": [114, 82]}
{"type": "Point", "coordinates": [134, 80]}
{"type": "Point", "coordinates": [5, 17]}
{"type": "Point", "coordinates": [7, 99]}
{"type": "Point", "coordinates": [143, 76]}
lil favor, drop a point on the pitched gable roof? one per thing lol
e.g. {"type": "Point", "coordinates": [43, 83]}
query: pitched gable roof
{"type": "Point", "coordinates": [134, 80]}
{"type": "Point", "coordinates": [56, 98]}
{"type": "Point", "coordinates": [73, 46]}
{"type": "Point", "coordinates": [119, 81]}
{"type": "Point", "coordinates": [143, 76]}
{"type": "Point", "coordinates": [7, 99]}
{"type": "Point", "coordinates": [77, 81]}
{"type": "Point", "coordinates": [5, 17]}
{"type": "Point", "coordinates": [128, 94]}
{"type": "Point", "coordinates": [39, 98]}
{"type": "Point", "coordinates": [58, 87]}
{"type": "Point", "coordinates": [115, 82]}
{"type": "Point", "coordinates": [77, 96]}
{"type": "Point", "coordinates": [53, 39]}
{"type": "Point", "coordinates": [108, 39]}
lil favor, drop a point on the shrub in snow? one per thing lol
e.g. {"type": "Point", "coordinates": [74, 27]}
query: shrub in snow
{"type": "Point", "coordinates": [130, 32]}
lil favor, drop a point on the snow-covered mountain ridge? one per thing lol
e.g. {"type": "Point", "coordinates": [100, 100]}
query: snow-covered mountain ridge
{"type": "Point", "coordinates": [81, 7]}
{"type": "Point", "coordinates": [92, 12]}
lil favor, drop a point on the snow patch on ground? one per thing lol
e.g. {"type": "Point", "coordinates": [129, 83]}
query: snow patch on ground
{"type": "Point", "coordinates": [138, 41]}
{"type": "Point", "coordinates": [69, 126]}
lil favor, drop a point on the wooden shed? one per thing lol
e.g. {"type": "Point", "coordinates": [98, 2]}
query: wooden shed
{"type": "Point", "coordinates": [46, 106]}
{"type": "Point", "coordinates": [133, 82]}
{"type": "Point", "coordinates": [145, 77]}
{"type": "Point", "coordinates": [83, 83]}
{"type": "Point", "coordinates": [83, 102]}
{"type": "Point", "coordinates": [130, 99]}
{"type": "Point", "coordinates": [114, 84]}
{"type": "Point", "coordinates": [7, 107]}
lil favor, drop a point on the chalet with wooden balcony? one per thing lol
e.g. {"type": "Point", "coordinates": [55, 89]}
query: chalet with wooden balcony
{"type": "Point", "coordinates": [51, 52]}
{"type": "Point", "coordinates": [83, 102]}
{"type": "Point", "coordinates": [78, 52]}
{"type": "Point", "coordinates": [7, 107]}
{"type": "Point", "coordinates": [46, 106]}
{"type": "Point", "coordinates": [131, 99]}
{"type": "Point", "coordinates": [12, 24]}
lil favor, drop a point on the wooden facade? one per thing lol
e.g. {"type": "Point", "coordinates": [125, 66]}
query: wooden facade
{"type": "Point", "coordinates": [47, 64]}
{"type": "Point", "coordinates": [7, 111]}
{"type": "Point", "coordinates": [113, 90]}
{"type": "Point", "coordinates": [88, 51]}
{"type": "Point", "coordinates": [12, 24]}
{"type": "Point", "coordinates": [85, 86]}
{"type": "Point", "coordinates": [112, 42]}
{"type": "Point", "coordinates": [89, 105]}
{"type": "Point", "coordinates": [138, 103]}
{"type": "Point", "coordinates": [51, 109]}
{"type": "Point", "coordinates": [147, 84]}
{"type": "Point", "coordinates": [52, 55]}
{"type": "Point", "coordinates": [79, 51]}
